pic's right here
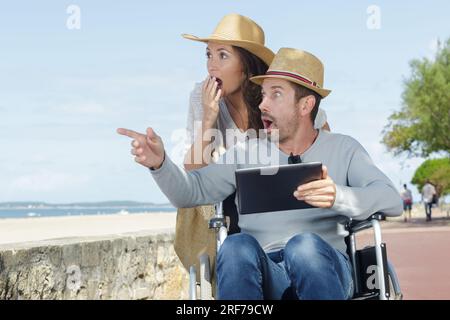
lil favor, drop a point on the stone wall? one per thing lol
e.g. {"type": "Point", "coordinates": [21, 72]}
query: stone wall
{"type": "Point", "coordinates": [129, 266]}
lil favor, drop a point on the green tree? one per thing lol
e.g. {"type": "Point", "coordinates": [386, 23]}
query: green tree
{"type": "Point", "coordinates": [435, 170]}
{"type": "Point", "coordinates": [422, 126]}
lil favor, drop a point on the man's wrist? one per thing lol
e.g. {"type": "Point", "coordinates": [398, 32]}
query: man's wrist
{"type": "Point", "coordinates": [160, 165]}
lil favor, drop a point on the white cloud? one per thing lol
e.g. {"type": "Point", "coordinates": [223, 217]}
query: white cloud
{"type": "Point", "coordinates": [45, 181]}
{"type": "Point", "coordinates": [37, 159]}
{"type": "Point", "coordinates": [433, 48]}
{"type": "Point", "coordinates": [83, 108]}
{"type": "Point", "coordinates": [159, 84]}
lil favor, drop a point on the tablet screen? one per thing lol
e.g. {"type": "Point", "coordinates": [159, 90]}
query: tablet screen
{"type": "Point", "coordinates": [259, 190]}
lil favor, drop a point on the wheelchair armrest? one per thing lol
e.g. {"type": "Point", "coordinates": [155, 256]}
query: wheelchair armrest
{"type": "Point", "coordinates": [354, 226]}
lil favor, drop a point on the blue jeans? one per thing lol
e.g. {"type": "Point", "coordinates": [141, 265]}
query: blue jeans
{"type": "Point", "coordinates": [307, 268]}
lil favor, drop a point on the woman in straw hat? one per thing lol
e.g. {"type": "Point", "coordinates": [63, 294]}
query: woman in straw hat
{"type": "Point", "coordinates": [227, 99]}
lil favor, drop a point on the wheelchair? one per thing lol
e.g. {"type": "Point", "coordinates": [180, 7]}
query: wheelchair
{"type": "Point", "coordinates": [374, 277]}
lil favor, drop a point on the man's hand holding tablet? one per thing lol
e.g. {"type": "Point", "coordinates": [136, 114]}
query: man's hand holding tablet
{"type": "Point", "coordinates": [320, 193]}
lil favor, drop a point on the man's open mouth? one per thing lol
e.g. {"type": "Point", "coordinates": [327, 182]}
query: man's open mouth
{"type": "Point", "coordinates": [267, 123]}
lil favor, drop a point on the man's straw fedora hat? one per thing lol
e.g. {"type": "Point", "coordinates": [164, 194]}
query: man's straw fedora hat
{"type": "Point", "coordinates": [298, 66]}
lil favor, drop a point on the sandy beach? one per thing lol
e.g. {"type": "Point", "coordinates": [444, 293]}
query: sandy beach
{"type": "Point", "coordinates": [45, 228]}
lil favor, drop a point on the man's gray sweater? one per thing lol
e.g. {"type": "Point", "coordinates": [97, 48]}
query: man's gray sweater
{"type": "Point", "coordinates": [361, 189]}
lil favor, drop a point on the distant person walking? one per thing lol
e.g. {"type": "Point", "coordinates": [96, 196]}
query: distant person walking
{"type": "Point", "coordinates": [407, 202]}
{"type": "Point", "coordinates": [428, 193]}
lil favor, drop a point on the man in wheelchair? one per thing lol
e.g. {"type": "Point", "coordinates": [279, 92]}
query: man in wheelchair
{"type": "Point", "coordinates": [286, 254]}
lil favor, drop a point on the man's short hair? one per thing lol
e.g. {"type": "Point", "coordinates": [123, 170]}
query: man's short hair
{"type": "Point", "coordinates": [301, 92]}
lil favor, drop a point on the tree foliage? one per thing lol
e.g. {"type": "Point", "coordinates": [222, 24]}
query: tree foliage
{"type": "Point", "coordinates": [435, 170]}
{"type": "Point", "coordinates": [422, 126]}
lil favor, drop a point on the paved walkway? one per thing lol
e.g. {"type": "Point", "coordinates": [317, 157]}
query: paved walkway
{"type": "Point", "coordinates": [420, 252]}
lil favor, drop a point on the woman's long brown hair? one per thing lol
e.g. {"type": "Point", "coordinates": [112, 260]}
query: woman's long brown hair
{"type": "Point", "coordinates": [252, 66]}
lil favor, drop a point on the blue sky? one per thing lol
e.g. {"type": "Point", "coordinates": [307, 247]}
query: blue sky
{"type": "Point", "coordinates": [64, 92]}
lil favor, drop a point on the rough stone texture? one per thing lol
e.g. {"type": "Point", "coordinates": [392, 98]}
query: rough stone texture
{"type": "Point", "coordinates": [129, 266]}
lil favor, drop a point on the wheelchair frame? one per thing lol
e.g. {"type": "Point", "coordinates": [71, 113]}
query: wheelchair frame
{"type": "Point", "coordinates": [386, 277]}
